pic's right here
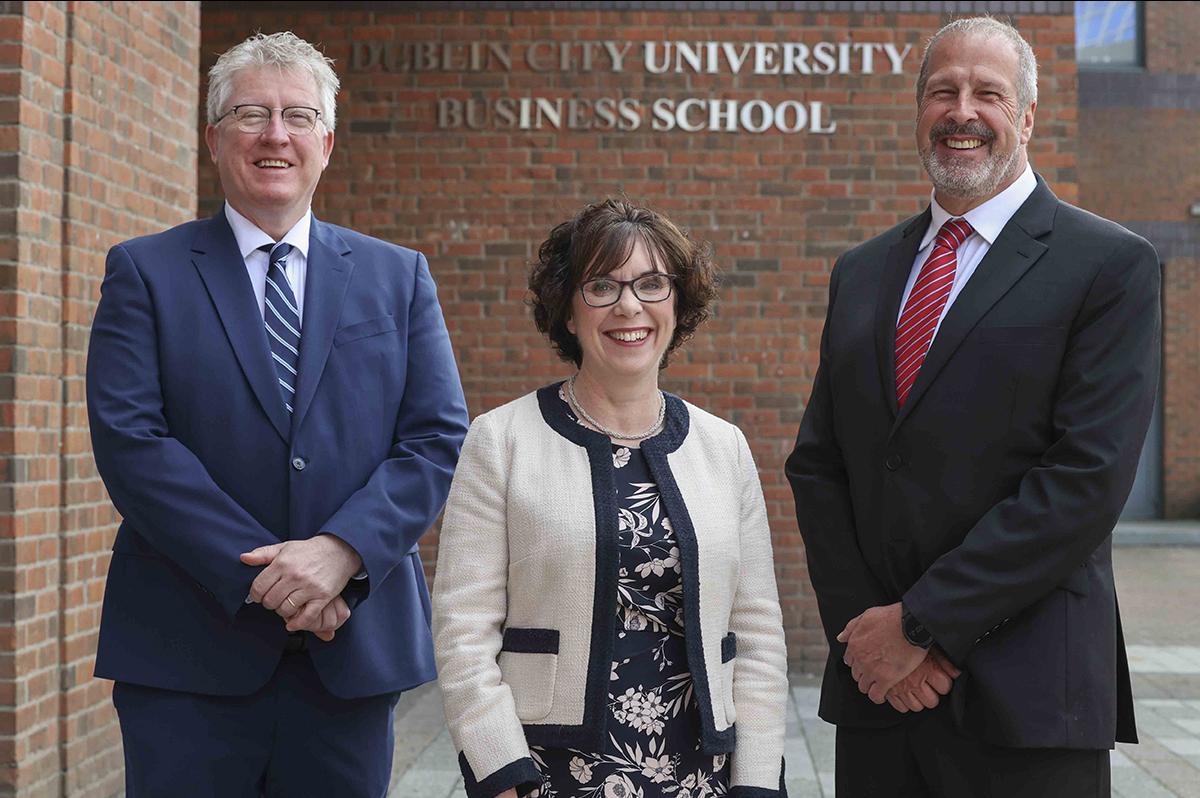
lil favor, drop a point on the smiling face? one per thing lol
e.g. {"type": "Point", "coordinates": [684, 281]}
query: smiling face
{"type": "Point", "coordinates": [971, 130]}
{"type": "Point", "coordinates": [270, 177]}
{"type": "Point", "coordinates": [624, 343]}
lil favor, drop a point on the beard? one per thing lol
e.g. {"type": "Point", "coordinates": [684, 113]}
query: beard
{"type": "Point", "coordinates": [955, 178]}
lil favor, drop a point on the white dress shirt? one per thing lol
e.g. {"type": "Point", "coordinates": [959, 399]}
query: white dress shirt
{"type": "Point", "coordinates": [987, 220]}
{"type": "Point", "coordinates": [250, 238]}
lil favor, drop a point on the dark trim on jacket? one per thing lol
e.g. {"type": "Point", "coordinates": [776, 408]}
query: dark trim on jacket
{"type": "Point", "coordinates": [523, 640]}
{"type": "Point", "coordinates": [656, 450]}
{"type": "Point", "coordinates": [728, 647]}
{"type": "Point", "coordinates": [522, 774]}
{"type": "Point", "coordinates": [763, 792]}
{"type": "Point", "coordinates": [591, 734]}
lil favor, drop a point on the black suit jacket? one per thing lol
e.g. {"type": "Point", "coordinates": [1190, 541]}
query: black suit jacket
{"type": "Point", "coordinates": [987, 503]}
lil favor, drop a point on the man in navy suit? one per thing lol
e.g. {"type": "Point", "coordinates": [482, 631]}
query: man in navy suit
{"type": "Point", "coordinates": [276, 413]}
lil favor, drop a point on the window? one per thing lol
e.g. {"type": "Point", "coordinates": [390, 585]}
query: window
{"type": "Point", "coordinates": [1108, 33]}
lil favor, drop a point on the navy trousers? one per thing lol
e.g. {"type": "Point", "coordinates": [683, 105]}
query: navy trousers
{"type": "Point", "coordinates": [291, 739]}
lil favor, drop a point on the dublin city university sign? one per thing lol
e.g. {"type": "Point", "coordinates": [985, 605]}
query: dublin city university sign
{"type": "Point", "coordinates": [793, 60]}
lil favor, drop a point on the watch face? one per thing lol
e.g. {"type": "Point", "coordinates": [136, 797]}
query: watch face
{"type": "Point", "coordinates": [915, 633]}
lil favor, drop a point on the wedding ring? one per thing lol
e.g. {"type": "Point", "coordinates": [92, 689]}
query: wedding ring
{"type": "Point", "coordinates": [289, 601]}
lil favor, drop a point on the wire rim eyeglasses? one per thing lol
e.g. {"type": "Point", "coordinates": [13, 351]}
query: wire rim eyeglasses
{"type": "Point", "coordinates": [250, 118]}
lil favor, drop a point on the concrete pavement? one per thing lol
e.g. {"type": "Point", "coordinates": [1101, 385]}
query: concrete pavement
{"type": "Point", "coordinates": [1159, 591]}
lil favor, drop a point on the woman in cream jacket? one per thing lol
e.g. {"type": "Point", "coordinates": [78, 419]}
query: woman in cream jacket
{"type": "Point", "coordinates": [605, 615]}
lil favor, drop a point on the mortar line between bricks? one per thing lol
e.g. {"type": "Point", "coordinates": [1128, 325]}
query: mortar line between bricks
{"type": "Point", "coordinates": [64, 411]}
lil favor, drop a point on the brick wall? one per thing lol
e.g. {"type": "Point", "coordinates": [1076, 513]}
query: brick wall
{"type": "Point", "coordinates": [1171, 33]}
{"type": "Point", "coordinates": [777, 207]}
{"type": "Point", "coordinates": [98, 122]}
{"type": "Point", "coordinates": [1171, 56]}
{"type": "Point", "coordinates": [97, 127]}
{"type": "Point", "coordinates": [30, 286]}
{"type": "Point", "coordinates": [1138, 165]}
{"type": "Point", "coordinates": [1181, 416]}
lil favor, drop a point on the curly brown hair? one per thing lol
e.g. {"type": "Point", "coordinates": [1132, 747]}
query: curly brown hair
{"type": "Point", "coordinates": [598, 240]}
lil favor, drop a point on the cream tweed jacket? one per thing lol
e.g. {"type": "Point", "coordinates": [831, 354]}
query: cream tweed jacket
{"type": "Point", "coordinates": [524, 604]}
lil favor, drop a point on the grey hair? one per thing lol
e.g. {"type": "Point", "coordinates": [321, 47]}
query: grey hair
{"type": "Point", "coordinates": [1027, 69]}
{"type": "Point", "coordinates": [285, 50]}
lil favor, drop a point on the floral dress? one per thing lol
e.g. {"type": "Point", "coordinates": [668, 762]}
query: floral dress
{"type": "Point", "coordinates": [653, 728]}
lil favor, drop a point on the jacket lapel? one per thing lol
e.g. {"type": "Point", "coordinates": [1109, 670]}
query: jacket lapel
{"type": "Point", "coordinates": [328, 276]}
{"type": "Point", "coordinates": [1014, 251]}
{"type": "Point", "coordinates": [223, 270]}
{"type": "Point", "coordinates": [895, 276]}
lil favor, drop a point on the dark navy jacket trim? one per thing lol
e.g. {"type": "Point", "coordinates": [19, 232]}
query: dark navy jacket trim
{"type": "Point", "coordinates": [590, 734]}
{"type": "Point", "coordinates": [522, 774]}
{"type": "Point", "coordinates": [728, 647]}
{"type": "Point", "coordinates": [530, 641]}
{"type": "Point", "coordinates": [656, 450]}
{"type": "Point", "coordinates": [760, 792]}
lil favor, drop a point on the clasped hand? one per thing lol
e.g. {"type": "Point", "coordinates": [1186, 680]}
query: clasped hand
{"type": "Point", "coordinates": [889, 668]}
{"type": "Point", "coordinates": [303, 580]}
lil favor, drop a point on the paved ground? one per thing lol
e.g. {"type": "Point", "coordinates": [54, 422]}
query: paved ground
{"type": "Point", "coordinates": [1159, 589]}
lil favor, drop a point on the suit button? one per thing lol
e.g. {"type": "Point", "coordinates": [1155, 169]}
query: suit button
{"type": "Point", "coordinates": [299, 463]}
{"type": "Point", "coordinates": [893, 462]}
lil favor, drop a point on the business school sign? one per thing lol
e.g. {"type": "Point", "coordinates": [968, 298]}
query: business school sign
{"type": "Point", "coordinates": [793, 60]}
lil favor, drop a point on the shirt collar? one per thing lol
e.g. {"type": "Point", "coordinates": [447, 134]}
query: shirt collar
{"type": "Point", "coordinates": [989, 218]}
{"type": "Point", "coordinates": [249, 237]}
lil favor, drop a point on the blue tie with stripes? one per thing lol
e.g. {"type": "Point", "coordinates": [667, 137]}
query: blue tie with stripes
{"type": "Point", "coordinates": [283, 321]}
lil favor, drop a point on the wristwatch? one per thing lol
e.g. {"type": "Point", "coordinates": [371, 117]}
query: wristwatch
{"type": "Point", "coordinates": [914, 631]}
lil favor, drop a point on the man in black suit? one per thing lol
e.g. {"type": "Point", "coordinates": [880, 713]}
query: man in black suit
{"type": "Point", "coordinates": [987, 374]}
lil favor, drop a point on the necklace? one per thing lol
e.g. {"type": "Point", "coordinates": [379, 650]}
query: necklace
{"type": "Point", "coordinates": [654, 428]}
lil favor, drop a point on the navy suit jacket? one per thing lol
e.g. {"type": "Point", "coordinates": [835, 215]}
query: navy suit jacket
{"type": "Point", "coordinates": [203, 462]}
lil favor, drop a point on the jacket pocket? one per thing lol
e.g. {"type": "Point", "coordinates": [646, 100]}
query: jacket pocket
{"type": "Point", "coordinates": [529, 665]}
{"type": "Point", "coordinates": [364, 329]}
{"type": "Point", "coordinates": [728, 662]}
{"type": "Point", "coordinates": [1077, 581]}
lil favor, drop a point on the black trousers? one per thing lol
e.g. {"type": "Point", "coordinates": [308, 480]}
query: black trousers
{"type": "Point", "coordinates": [925, 756]}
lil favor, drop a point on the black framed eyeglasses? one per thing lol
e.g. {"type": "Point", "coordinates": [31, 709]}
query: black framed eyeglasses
{"type": "Point", "coordinates": [297, 119]}
{"type": "Point", "coordinates": [600, 292]}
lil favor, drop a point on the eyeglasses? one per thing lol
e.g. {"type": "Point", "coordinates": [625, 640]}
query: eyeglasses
{"type": "Point", "coordinates": [297, 119]}
{"type": "Point", "coordinates": [604, 291]}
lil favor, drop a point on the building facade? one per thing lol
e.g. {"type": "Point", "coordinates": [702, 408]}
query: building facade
{"type": "Point", "coordinates": [781, 132]}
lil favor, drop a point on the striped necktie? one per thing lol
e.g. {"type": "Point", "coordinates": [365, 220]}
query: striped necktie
{"type": "Point", "coordinates": [914, 333]}
{"type": "Point", "coordinates": [283, 321]}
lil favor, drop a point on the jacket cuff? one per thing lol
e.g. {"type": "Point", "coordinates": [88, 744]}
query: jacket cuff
{"type": "Point", "coordinates": [762, 792]}
{"type": "Point", "coordinates": [355, 591]}
{"type": "Point", "coordinates": [522, 774]}
{"type": "Point", "coordinates": [956, 646]}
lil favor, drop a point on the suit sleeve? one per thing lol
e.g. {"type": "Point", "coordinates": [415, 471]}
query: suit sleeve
{"type": "Point", "coordinates": [760, 683]}
{"type": "Point", "coordinates": [155, 482]}
{"type": "Point", "coordinates": [1069, 503]}
{"type": "Point", "coordinates": [404, 494]}
{"type": "Point", "coordinates": [842, 580]}
{"type": "Point", "coordinates": [470, 604]}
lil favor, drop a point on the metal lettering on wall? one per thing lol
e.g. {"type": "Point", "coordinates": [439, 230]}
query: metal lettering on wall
{"type": "Point", "coordinates": [625, 113]}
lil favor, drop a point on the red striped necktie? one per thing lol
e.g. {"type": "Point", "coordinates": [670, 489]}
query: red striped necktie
{"type": "Point", "coordinates": [914, 333]}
